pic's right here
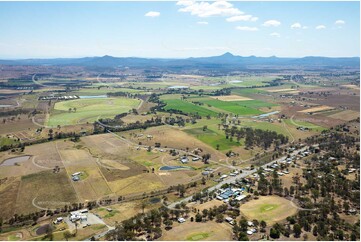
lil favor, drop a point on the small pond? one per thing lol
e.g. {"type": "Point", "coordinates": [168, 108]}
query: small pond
{"type": "Point", "coordinates": [12, 161]}
{"type": "Point", "coordinates": [170, 168]}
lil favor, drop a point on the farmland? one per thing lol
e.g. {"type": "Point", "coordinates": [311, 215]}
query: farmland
{"type": "Point", "coordinates": [89, 110]}
{"type": "Point", "coordinates": [166, 139]}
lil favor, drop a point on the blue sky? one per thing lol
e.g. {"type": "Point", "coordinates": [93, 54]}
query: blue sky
{"type": "Point", "coordinates": [179, 29]}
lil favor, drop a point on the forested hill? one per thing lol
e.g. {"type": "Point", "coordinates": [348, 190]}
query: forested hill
{"type": "Point", "coordinates": [226, 60]}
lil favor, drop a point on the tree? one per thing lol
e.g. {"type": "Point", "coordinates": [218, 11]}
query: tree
{"type": "Point", "coordinates": [67, 235]}
{"type": "Point", "coordinates": [143, 205]}
{"type": "Point", "coordinates": [263, 225]}
{"type": "Point", "coordinates": [297, 230]}
{"type": "Point", "coordinates": [274, 233]}
{"type": "Point", "coordinates": [219, 218]}
{"type": "Point", "coordinates": [199, 217]}
{"type": "Point", "coordinates": [242, 236]}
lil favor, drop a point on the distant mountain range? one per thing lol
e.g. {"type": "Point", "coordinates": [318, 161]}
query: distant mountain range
{"type": "Point", "coordinates": [227, 60]}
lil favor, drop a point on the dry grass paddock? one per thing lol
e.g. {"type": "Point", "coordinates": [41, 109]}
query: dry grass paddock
{"type": "Point", "coordinates": [317, 109]}
{"type": "Point", "coordinates": [230, 98]}
{"type": "Point", "coordinates": [210, 231]}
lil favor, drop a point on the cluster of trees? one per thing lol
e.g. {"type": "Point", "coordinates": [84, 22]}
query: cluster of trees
{"type": "Point", "coordinates": [256, 137]}
{"type": "Point", "coordinates": [222, 92]}
{"type": "Point", "coordinates": [147, 224]}
{"type": "Point", "coordinates": [123, 94]}
{"type": "Point", "coordinates": [274, 186]}
{"type": "Point", "coordinates": [18, 111]}
{"type": "Point", "coordinates": [325, 193]}
{"type": "Point", "coordinates": [105, 125]}
{"type": "Point", "coordinates": [240, 228]}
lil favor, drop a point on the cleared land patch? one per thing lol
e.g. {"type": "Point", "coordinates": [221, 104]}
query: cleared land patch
{"type": "Point", "coordinates": [346, 115]}
{"type": "Point", "coordinates": [210, 231]}
{"type": "Point", "coordinates": [271, 209]}
{"type": "Point", "coordinates": [232, 98]}
{"type": "Point", "coordinates": [316, 109]}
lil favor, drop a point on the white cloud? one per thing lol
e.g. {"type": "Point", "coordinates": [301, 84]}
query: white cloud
{"type": "Point", "coordinates": [340, 22]}
{"type": "Point", "coordinates": [296, 26]}
{"type": "Point", "coordinates": [320, 27]}
{"type": "Point", "coordinates": [275, 34]}
{"type": "Point", "coordinates": [242, 18]}
{"type": "Point", "coordinates": [152, 14]}
{"type": "Point", "coordinates": [272, 23]}
{"type": "Point", "coordinates": [202, 22]}
{"type": "Point", "coordinates": [205, 9]}
{"type": "Point", "coordinates": [246, 28]}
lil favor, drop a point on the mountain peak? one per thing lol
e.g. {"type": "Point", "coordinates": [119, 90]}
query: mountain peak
{"type": "Point", "coordinates": [227, 54]}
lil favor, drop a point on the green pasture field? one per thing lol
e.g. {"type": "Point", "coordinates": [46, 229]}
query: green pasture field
{"type": "Point", "coordinates": [213, 138]}
{"type": "Point", "coordinates": [89, 110]}
{"type": "Point", "coordinates": [265, 126]}
{"type": "Point", "coordinates": [188, 107]}
{"type": "Point", "coordinates": [239, 107]}
{"type": "Point", "coordinates": [7, 141]}
{"type": "Point", "coordinates": [247, 91]}
{"type": "Point", "coordinates": [300, 123]}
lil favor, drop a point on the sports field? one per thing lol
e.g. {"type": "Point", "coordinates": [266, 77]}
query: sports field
{"type": "Point", "coordinates": [271, 209]}
{"type": "Point", "coordinates": [89, 110]}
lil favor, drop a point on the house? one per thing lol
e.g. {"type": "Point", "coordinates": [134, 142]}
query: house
{"type": "Point", "coordinates": [250, 224]}
{"type": "Point", "coordinates": [184, 159]}
{"type": "Point", "coordinates": [75, 178]}
{"type": "Point", "coordinates": [240, 197]}
{"type": "Point", "coordinates": [196, 159]}
{"type": "Point", "coordinates": [109, 209]}
{"type": "Point", "coordinates": [223, 176]}
{"type": "Point", "coordinates": [77, 173]}
{"type": "Point", "coordinates": [181, 220]}
{"type": "Point", "coordinates": [58, 220]}
{"type": "Point", "coordinates": [84, 210]}
{"type": "Point", "coordinates": [229, 220]}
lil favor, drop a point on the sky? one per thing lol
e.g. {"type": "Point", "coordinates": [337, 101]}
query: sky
{"type": "Point", "coordinates": [179, 29]}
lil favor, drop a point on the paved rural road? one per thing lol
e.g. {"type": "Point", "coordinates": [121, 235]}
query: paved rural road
{"type": "Point", "coordinates": [233, 178]}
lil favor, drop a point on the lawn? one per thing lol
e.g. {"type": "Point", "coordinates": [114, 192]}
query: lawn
{"type": "Point", "coordinates": [89, 110]}
{"type": "Point", "coordinates": [197, 236]}
{"type": "Point", "coordinates": [271, 209]}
